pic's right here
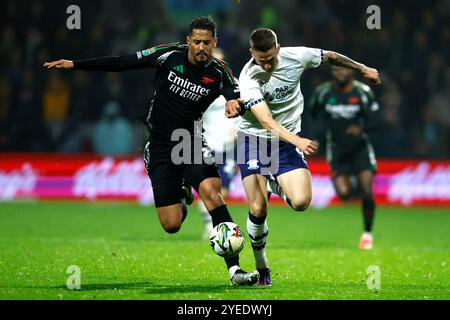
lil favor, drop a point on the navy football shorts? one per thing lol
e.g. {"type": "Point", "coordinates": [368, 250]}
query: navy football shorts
{"type": "Point", "coordinates": [260, 156]}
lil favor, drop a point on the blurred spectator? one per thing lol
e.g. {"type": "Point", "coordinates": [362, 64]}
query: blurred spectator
{"type": "Point", "coordinates": [437, 121]}
{"type": "Point", "coordinates": [27, 132]}
{"type": "Point", "coordinates": [392, 132]}
{"type": "Point", "coordinates": [55, 103]}
{"type": "Point", "coordinates": [72, 138]}
{"type": "Point", "coordinates": [269, 17]}
{"type": "Point", "coordinates": [5, 99]}
{"type": "Point", "coordinates": [113, 134]}
{"type": "Point", "coordinates": [411, 51]}
{"type": "Point", "coordinates": [5, 107]}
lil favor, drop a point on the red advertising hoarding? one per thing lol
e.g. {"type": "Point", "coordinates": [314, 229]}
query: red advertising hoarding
{"type": "Point", "coordinates": [50, 176]}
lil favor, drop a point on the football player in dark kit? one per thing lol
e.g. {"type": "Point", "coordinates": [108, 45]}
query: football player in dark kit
{"type": "Point", "coordinates": [188, 79]}
{"type": "Point", "coordinates": [348, 109]}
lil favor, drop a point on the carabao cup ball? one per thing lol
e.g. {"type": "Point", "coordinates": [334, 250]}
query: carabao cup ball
{"type": "Point", "coordinates": [227, 239]}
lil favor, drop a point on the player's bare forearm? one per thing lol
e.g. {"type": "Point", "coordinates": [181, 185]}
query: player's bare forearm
{"type": "Point", "coordinates": [341, 60]}
{"type": "Point", "coordinates": [263, 115]}
{"type": "Point", "coordinates": [277, 129]}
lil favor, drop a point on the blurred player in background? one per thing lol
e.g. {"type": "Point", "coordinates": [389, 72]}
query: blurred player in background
{"type": "Point", "coordinates": [220, 134]}
{"type": "Point", "coordinates": [188, 79]}
{"type": "Point", "coordinates": [348, 111]}
{"type": "Point", "coordinates": [270, 89]}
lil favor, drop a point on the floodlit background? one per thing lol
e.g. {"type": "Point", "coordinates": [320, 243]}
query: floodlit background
{"type": "Point", "coordinates": [43, 111]}
{"type": "Point", "coordinates": [55, 144]}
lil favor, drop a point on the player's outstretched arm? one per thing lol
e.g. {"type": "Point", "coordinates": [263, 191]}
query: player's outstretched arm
{"type": "Point", "coordinates": [111, 63]}
{"type": "Point", "coordinates": [340, 60]}
{"type": "Point", "coordinates": [262, 112]}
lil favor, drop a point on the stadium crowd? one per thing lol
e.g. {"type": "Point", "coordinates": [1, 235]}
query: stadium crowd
{"type": "Point", "coordinates": [70, 112]}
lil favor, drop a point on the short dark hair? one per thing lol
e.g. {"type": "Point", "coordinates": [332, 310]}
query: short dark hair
{"type": "Point", "coordinates": [263, 40]}
{"type": "Point", "coordinates": [203, 23]}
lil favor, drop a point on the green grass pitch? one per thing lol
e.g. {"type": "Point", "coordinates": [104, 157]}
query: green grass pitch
{"type": "Point", "coordinates": [124, 254]}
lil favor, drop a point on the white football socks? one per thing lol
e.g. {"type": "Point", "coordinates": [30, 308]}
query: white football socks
{"type": "Point", "coordinates": [258, 234]}
{"type": "Point", "coordinates": [233, 270]}
{"type": "Point", "coordinates": [206, 216]}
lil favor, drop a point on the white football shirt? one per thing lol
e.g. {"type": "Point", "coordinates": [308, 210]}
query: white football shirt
{"type": "Point", "coordinates": [280, 89]}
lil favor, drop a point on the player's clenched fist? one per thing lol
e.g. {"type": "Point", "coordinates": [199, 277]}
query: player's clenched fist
{"type": "Point", "coordinates": [371, 74]}
{"type": "Point", "coordinates": [307, 146]}
{"type": "Point", "coordinates": [59, 64]}
{"type": "Point", "coordinates": [232, 109]}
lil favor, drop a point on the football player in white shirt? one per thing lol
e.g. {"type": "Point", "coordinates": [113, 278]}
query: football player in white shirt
{"type": "Point", "coordinates": [272, 97]}
{"type": "Point", "coordinates": [220, 135]}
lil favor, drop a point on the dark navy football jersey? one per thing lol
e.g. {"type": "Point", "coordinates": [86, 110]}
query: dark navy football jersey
{"type": "Point", "coordinates": [340, 110]}
{"type": "Point", "coordinates": [182, 91]}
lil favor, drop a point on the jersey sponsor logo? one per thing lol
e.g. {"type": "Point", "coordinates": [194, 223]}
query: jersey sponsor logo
{"type": "Point", "coordinates": [276, 93]}
{"type": "Point", "coordinates": [346, 111]}
{"type": "Point", "coordinates": [207, 80]}
{"type": "Point", "coordinates": [283, 92]}
{"type": "Point", "coordinates": [186, 89]}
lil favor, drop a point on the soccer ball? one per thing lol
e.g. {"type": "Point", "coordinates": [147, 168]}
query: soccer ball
{"type": "Point", "coordinates": [227, 239]}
